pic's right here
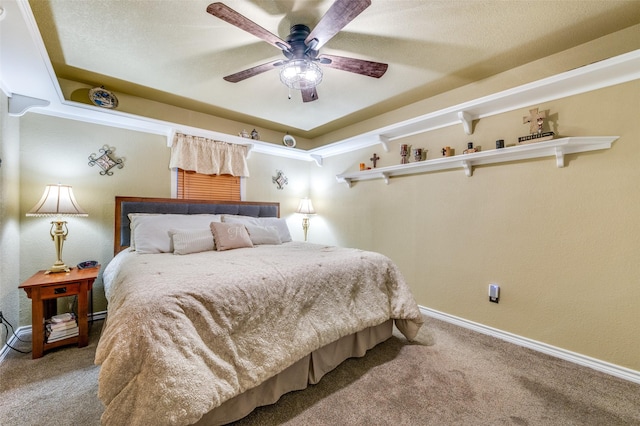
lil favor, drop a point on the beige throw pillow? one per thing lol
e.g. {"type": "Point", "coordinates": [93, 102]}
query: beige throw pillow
{"type": "Point", "coordinates": [229, 236]}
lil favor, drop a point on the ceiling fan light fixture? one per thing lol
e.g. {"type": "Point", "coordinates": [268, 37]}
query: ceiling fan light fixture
{"type": "Point", "coordinates": [301, 74]}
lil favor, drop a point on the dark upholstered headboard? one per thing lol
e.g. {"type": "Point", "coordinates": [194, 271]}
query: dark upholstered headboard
{"type": "Point", "coordinates": [126, 205]}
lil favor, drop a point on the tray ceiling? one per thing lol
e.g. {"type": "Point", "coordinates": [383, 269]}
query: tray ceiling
{"type": "Point", "coordinates": [173, 52]}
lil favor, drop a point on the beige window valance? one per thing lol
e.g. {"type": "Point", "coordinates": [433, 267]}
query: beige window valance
{"type": "Point", "coordinates": [208, 156]}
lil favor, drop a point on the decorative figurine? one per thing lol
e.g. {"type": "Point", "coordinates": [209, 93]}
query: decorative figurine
{"type": "Point", "coordinates": [404, 153]}
{"type": "Point", "coordinates": [375, 159]}
{"type": "Point", "coordinates": [417, 154]}
{"type": "Point", "coordinates": [255, 135]}
{"type": "Point", "coordinates": [446, 151]}
{"type": "Point", "coordinates": [243, 134]}
{"type": "Point", "coordinates": [536, 121]}
{"type": "Point", "coordinates": [470, 149]}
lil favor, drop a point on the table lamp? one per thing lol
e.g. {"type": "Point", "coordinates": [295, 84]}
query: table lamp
{"type": "Point", "coordinates": [306, 208]}
{"type": "Point", "coordinates": [57, 201]}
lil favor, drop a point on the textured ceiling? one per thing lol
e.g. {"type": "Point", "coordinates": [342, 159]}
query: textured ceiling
{"type": "Point", "coordinates": [173, 52]}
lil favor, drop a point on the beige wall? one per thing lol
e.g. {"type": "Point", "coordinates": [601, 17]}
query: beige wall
{"type": "Point", "coordinates": [563, 243]}
{"type": "Point", "coordinates": [9, 222]}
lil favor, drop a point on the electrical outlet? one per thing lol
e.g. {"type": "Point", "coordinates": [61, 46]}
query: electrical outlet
{"type": "Point", "coordinates": [494, 293]}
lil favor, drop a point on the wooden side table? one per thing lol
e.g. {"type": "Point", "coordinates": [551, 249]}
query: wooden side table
{"type": "Point", "coordinates": [43, 290]}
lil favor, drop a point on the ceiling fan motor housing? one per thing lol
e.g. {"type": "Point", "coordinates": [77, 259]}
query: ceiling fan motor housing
{"type": "Point", "coordinates": [296, 39]}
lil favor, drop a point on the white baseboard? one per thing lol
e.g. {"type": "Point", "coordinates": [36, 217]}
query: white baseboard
{"type": "Point", "coordinates": [21, 332]}
{"type": "Point", "coordinates": [25, 332]}
{"type": "Point", "coordinates": [595, 364]}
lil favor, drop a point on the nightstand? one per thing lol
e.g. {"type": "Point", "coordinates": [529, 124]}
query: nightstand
{"type": "Point", "coordinates": [43, 290]}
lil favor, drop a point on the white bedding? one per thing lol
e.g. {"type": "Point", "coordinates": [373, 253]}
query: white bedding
{"type": "Point", "coordinates": [186, 333]}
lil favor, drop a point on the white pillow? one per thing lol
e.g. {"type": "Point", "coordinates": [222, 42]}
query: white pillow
{"type": "Point", "coordinates": [191, 241]}
{"type": "Point", "coordinates": [132, 240]}
{"type": "Point", "coordinates": [279, 223]}
{"type": "Point", "coordinates": [263, 234]}
{"type": "Point", "coordinates": [152, 231]}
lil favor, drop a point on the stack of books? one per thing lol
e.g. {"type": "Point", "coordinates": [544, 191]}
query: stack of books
{"type": "Point", "coordinates": [61, 327]}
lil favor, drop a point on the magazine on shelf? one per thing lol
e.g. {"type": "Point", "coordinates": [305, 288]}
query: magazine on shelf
{"type": "Point", "coordinates": [55, 337]}
{"type": "Point", "coordinates": [61, 327]}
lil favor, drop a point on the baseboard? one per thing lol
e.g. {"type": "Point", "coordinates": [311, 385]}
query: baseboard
{"type": "Point", "coordinates": [595, 364]}
{"type": "Point", "coordinates": [21, 332]}
{"type": "Point", "coordinates": [25, 331]}
{"type": "Point", "coordinates": [98, 316]}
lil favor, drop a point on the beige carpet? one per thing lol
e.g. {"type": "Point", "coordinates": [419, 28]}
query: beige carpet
{"type": "Point", "coordinates": [455, 377]}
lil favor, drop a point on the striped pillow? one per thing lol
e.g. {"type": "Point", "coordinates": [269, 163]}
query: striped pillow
{"type": "Point", "coordinates": [187, 241]}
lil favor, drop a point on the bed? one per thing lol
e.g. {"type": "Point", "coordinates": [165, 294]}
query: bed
{"type": "Point", "coordinates": [197, 334]}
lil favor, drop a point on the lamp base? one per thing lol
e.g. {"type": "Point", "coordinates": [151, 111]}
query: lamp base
{"type": "Point", "coordinates": [58, 235]}
{"type": "Point", "coordinates": [58, 267]}
{"type": "Point", "coordinates": [305, 226]}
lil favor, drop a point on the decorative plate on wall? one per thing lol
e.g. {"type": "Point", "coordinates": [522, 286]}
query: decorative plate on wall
{"type": "Point", "coordinates": [289, 141]}
{"type": "Point", "coordinates": [103, 98]}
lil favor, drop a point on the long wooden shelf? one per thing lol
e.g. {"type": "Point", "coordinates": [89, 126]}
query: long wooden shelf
{"type": "Point", "coordinates": [557, 148]}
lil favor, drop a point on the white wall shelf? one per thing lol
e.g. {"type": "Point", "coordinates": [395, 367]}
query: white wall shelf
{"type": "Point", "coordinates": [557, 148]}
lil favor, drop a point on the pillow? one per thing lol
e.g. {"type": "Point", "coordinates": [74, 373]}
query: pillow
{"type": "Point", "coordinates": [280, 224]}
{"type": "Point", "coordinates": [152, 231]}
{"type": "Point", "coordinates": [230, 236]}
{"type": "Point", "coordinates": [263, 234]}
{"type": "Point", "coordinates": [191, 241]}
{"type": "Point", "coordinates": [132, 241]}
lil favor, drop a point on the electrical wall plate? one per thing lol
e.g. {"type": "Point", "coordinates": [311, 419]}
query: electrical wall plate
{"type": "Point", "coordinates": [494, 293]}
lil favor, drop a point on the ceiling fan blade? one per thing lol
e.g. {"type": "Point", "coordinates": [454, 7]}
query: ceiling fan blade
{"type": "Point", "coordinates": [309, 94]}
{"type": "Point", "coordinates": [358, 66]}
{"type": "Point", "coordinates": [250, 72]}
{"type": "Point", "coordinates": [339, 14]}
{"type": "Point", "coordinates": [224, 12]}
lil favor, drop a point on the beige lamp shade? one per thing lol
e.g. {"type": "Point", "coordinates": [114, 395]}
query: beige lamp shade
{"type": "Point", "coordinates": [57, 200]}
{"type": "Point", "coordinates": [305, 207]}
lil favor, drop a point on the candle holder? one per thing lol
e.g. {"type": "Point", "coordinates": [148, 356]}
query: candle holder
{"type": "Point", "coordinates": [404, 153]}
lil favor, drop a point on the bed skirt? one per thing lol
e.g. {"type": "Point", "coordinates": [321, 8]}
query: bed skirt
{"type": "Point", "coordinates": [308, 370]}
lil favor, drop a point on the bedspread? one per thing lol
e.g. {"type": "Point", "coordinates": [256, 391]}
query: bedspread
{"type": "Point", "coordinates": [186, 333]}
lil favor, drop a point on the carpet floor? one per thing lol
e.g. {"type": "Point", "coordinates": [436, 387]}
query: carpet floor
{"type": "Point", "coordinates": [453, 376]}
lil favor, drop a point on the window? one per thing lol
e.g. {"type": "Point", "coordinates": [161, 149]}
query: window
{"type": "Point", "coordinates": [197, 186]}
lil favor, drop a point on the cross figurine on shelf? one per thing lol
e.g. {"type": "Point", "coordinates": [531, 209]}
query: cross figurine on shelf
{"type": "Point", "coordinates": [535, 120]}
{"type": "Point", "coordinates": [375, 159]}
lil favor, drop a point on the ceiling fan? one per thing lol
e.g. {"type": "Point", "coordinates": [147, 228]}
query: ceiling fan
{"type": "Point", "coordinates": [300, 69]}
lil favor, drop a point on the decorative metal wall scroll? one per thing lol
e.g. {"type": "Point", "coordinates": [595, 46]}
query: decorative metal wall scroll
{"type": "Point", "coordinates": [106, 160]}
{"type": "Point", "coordinates": [280, 179]}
